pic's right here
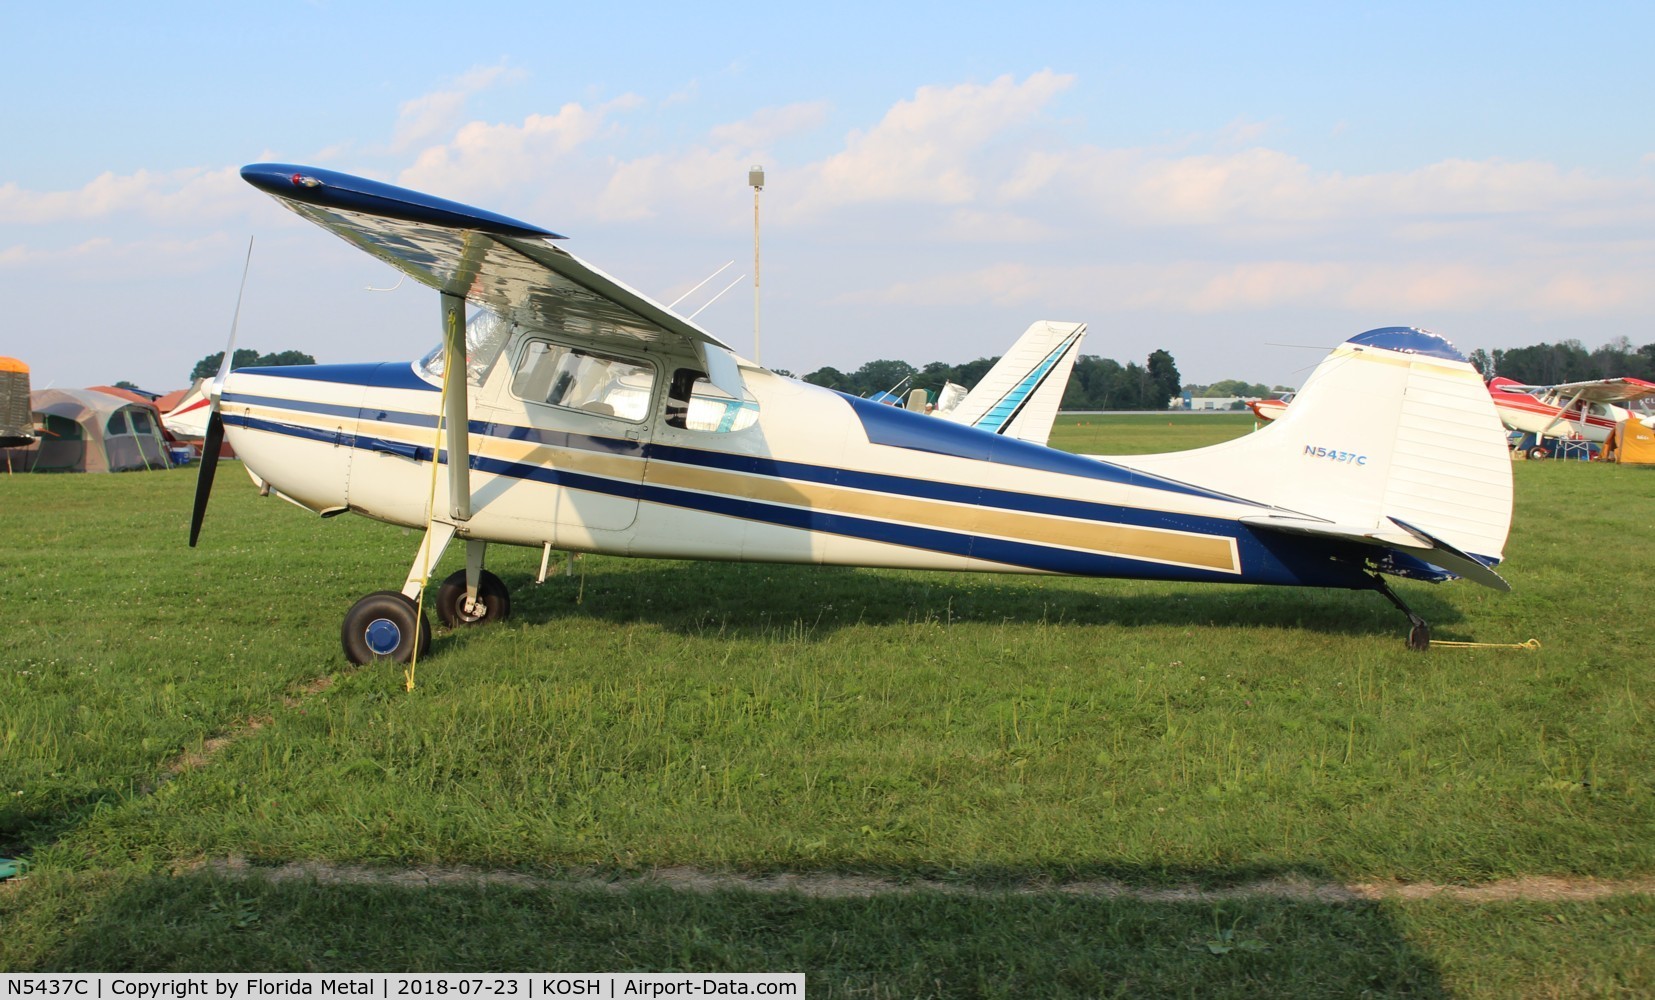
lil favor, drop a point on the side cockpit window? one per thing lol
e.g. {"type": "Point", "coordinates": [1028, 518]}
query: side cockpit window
{"type": "Point", "coordinates": [556, 375]}
{"type": "Point", "coordinates": [695, 404]}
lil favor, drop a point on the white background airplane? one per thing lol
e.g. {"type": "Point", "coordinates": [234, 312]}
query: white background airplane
{"type": "Point", "coordinates": [188, 417]}
{"type": "Point", "coordinates": [1019, 396]}
{"type": "Point", "coordinates": [575, 413]}
{"type": "Point", "coordinates": [1582, 411]}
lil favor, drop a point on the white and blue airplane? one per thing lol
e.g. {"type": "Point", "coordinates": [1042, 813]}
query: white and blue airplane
{"type": "Point", "coordinates": [575, 413]}
{"type": "Point", "coordinates": [1019, 395]}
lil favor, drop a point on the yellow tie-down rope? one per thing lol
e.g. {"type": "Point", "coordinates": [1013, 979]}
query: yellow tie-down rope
{"type": "Point", "coordinates": [430, 507]}
{"type": "Point", "coordinates": [1452, 644]}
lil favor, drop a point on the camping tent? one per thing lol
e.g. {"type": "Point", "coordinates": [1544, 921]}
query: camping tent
{"type": "Point", "coordinates": [86, 431]}
{"type": "Point", "coordinates": [1631, 443]}
{"type": "Point", "coordinates": [16, 422]}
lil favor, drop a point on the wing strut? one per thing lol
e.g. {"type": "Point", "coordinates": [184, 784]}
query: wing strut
{"type": "Point", "coordinates": [456, 412]}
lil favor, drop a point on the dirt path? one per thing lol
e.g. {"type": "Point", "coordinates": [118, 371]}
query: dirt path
{"type": "Point", "coordinates": [830, 886]}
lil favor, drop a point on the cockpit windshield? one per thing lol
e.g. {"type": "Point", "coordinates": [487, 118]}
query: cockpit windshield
{"type": "Point", "coordinates": [486, 334]}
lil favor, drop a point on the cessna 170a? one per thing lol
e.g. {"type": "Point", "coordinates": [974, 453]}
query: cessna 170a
{"type": "Point", "coordinates": [1582, 411]}
{"type": "Point", "coordinates": [578, 414]}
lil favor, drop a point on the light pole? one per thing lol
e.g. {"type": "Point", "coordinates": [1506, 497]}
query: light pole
{"type": "Point", "coordinates": [755, 178]}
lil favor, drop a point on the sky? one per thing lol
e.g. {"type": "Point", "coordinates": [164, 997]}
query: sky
{"type": "Point", "coordinates": [1243, 185]}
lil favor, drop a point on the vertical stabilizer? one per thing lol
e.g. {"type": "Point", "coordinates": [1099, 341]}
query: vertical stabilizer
{"type": "Point", "coordinates": [1019, 396]}
{"type": "Point", "coordinates": [1392, 438]}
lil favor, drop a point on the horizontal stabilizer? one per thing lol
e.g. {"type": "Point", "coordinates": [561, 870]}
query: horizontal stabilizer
{"type": "Point", "coordinates": [1404, 538]}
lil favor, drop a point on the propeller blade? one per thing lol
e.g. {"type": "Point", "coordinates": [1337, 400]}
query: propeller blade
{"type": "Point", "coordinates": [214, 441]}
{"type": "Point", "coordinates": [230, 348]}
{"type": "Point", "coordinates": [209, 468]}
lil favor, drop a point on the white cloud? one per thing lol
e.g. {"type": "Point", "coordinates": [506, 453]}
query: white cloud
{"type": "Point", "coordinates": [134, 259]}
{"type": "Point", "coordinates": [1008, 284]}
{"type": "Point", "coordinates": [1244, 132]}
{"type": "Point", "coordinates": [422, 119]}
{"type": "Point", "coordinates": [1146, 188]}
{"type": "Point", "coordinates": [765, 126]}
{"type": "Point", "coordinates": [968, 225]}
{"type": "Point", "coordinates": [923, 150]}
{"type": "Point", "coordinates": [486, 159]}
{"type": "Point", "coordinates": [179, 197]}
{"type": "Point", "coordinates": [1206, 288]}
{"type": "Point", "coordinates": [698, 187]}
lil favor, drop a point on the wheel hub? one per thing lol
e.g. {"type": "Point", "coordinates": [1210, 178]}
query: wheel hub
{"type": "Point", "coordinates": [383, 636]}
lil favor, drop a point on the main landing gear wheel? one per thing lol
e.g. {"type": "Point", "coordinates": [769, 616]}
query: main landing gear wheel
{"type": "Point", "coordinates": [384, 626]}
{"type": "Point", "coordinates": [493, 600]}
{"type": "Point", "coordinates": [1539, 452]}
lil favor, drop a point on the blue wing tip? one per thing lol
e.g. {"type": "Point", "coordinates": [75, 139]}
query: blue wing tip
{"type": "Point", "coordinates": [332, 189]}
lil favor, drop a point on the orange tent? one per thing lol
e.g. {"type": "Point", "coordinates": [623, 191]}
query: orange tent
{"type": "Point", "coordinates": [16, 419]}
{"type": "Point", "coordinates": [1630, 444]}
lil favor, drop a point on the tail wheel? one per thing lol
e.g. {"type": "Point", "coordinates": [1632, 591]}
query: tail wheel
{"type": "Point", "coordinates": [493, 600]}
{"type": "Point", "coordinates": [384, 626]}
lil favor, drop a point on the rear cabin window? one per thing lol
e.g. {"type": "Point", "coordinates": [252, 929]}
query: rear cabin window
{"type": "Point", "coordinates": [695, 404]}
{"type": "Point", "coordinates": [116, 425]}
{"type": "Point", "coordinates": [555, 375]}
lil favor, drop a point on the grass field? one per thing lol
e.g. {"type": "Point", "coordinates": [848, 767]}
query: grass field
{"type": "Point", "coordinates": [903, 784]}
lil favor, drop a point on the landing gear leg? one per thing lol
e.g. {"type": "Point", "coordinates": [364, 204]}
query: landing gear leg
{"type": "Point", "coordinates": [473, 596]}
{"type": "Point", "coordinates": [1419, 636]}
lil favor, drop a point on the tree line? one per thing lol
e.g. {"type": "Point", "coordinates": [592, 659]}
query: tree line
{"type": "Point", "coordinates": [1567, 361]}
{"type": "Point", "coordinates": [1098, 383]}
{"type": "Point", "coordinates": [246, 357]}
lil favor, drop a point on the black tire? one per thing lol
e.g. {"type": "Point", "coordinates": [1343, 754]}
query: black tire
{"type": "Point", "coordinates": [491, 593]}
{"type": "Point", "coordinates": [1539, 452]}
{"type": "Point", "coordinates": [1419, 638]}
{"type": "Point", "coordinates": [384, 627]}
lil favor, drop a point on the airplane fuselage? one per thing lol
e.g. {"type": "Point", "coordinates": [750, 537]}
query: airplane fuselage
{"type": "Point", "coordinates": [809, 476]}
{"type": "Point", "coordinates": [1554, 414]}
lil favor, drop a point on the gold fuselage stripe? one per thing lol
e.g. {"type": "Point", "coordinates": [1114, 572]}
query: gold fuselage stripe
{"type": "Point", "coordinates": [1161, 545]}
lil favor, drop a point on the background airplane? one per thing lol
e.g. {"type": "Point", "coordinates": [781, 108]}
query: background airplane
{"type": "Point", "coordinates": [1267, 410]}
{"type": "Point", "coordinates": [1582, 411]}
{"type": "Point", "coordinates": [575, 413]}
{"type": "Point", "coordinates": [1020, 395]}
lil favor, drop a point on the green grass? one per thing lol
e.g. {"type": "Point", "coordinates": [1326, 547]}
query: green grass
{"type": "Point", "coordinates": [992, 733]}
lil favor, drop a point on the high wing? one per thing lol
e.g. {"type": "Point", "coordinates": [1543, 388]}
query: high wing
{"type": "Point", "coordinates": [1606, 390]}
{"type": "Point", "coordinates": [510, 267]}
